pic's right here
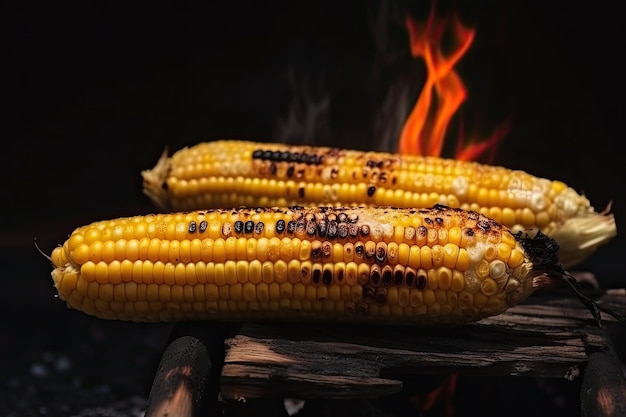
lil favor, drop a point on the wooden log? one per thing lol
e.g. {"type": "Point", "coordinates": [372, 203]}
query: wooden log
{"type": "Point", "coordinates": [550, 335]}
{"type": "Point", "coordinates": [603, 389]}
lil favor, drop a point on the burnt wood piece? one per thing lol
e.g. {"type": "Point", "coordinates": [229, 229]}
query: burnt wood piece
{"type": "Point", "coordinates": [186, 383]}
{"type": "Point", "coordinates": [550, 335]}
{"type": "Point", "coordinates": [603, 389]}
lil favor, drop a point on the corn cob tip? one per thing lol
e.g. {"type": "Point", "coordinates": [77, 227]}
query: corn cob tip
{"type": "Point", "coordinates": [579, 237]}
{"type": "Point", "coordinates": [154, 185]}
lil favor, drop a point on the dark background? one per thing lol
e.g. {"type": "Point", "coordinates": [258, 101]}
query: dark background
{"type": "Point", "coordinates": [94, 94]}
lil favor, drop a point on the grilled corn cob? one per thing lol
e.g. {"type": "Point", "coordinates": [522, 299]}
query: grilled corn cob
{"type": "Point", "coordinates": [231, 173]}
{"type": "Point", "coordinates": [436, 266]}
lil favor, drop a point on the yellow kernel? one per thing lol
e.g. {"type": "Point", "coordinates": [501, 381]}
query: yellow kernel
{"type": "Point", "coordinates": [516, 258]}
{"type": "Point", "coordinates": [249, 292]}
{"type": "Point", "coordinates": [102, 272]}
{"type": "Point", "coordinates": [293, 271]}
{"type": "Point", "coordinates": [177, 295]}
{"type": "Point", "coordinates": [444, 277]}
{"type": "Point", "coordinates": [88, 271]}
{"type": "Point", "coordinates": [190, 274]}
{"type": "Point", "coordinates": [169, 273]}
{"type": "Point", "coordinates": [274, 291]}
{"type": "Point", "coordinates": [68, 282]}
{"type": "Point", "coordinates": [211, 292]}
{"type": "Point", "coordinates": [235, 292]}
{"type": "Point", "coordinates": [426, 259]}
{"type": "Point", "coordinates": [95, 251]}
{"type": "Point", "coordinates": [458, 281]}
{"type": "Point", "coordinates": [268, 272]}
{"type": "Point", "coordinates": [273, 249]}
{"type": "Point", "coordinates": [414, 257]}
{"type": "Point", "coordinates": [454, 235]}
{"type": "Point", "coordinates": [241, 248]}
{"type": "Point", "coordinates": [433, 279]}
{"type": "Point", "coordinates": [280, 271]}
{"type": "Point", "coordinates": [482, 268]}
{"type": "Point", "coordinates": [219, 274]}
{"type": "Point", "coordinates": [450, 255]}
{"type": "Point", "coordinates": [180, 274]}
{"type": "Point", "coordinates": [255, 274]}
{"type": "Point", "coordinates": [114, 273]}
{"type": "Point", "coordinates": [80, 254]}
{"type": "Point", "coordinates": [351, 273]}
{"type": "Point", "coordinates": [242, 269]}
{"type": "Point", "coordinates": [466, 300]}
{"type": "Point", "coordinates": [488, 286]}
{"type": "Point", "coordinates": [165, 293]}
{"type": "Point", "coordinates": [429, 297]}
{"type": "Point", "coordinates": [305, 250]}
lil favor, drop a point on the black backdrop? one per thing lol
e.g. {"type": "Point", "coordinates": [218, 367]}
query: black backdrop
{"type": "Point", "coordinates": [95, 93]}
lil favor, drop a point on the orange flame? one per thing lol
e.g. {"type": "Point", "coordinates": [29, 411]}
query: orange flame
{"type": "Point", "coordinates": [425, 128]}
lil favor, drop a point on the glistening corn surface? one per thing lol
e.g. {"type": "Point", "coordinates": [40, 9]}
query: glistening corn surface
{"type": "Point", "coordinates": [359, 264]}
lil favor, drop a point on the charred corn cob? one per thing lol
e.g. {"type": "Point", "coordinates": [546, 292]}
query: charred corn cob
{"type": "Point", "coordinates": [437, 266]}
{"type": "Point", "coordinates": [231, 173]}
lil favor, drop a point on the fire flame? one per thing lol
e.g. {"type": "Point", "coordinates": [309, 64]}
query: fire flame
{"type": "Point", "coordinates": [443, 92]}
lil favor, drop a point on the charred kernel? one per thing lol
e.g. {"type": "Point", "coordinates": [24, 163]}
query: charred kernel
{"type": "Point", "coordinates": [316, 250]}
{"type": "Point", "coordinates": [421, 282]}
{"type": "Point", "coordinates": [332, 229]}
{"type": "Point", "coordinates": [290, 171]}
{"type": "Point", "coordinates": [342, 230]}
{"type": "Point", "coordinates": [280, 226]}
{"type": "Point", "coordinates": [468, 232]}
{"type": "Point", "coordinates": [365, 230]}
{"type": "Point", "coordinates": [248, 226]}
{"type": "Point", "coordinates": [321, 228]}
{"type": "Point", "coordinates": [238, 226]}
{"type": "Point", "coordinates": [301, 192]}
{"type": "Point", "coordinates": [483, 225]}
{"type": "Point", "coordinates": [284, 156]}
{"type": "Point", "coordinates": [275, 156]}
{"type": "Point", "coordinates": [410, 277]}
{"type": "Point", "coordinates": [421, 232]}
{"type": "Point", "coordinates": [203, 226]}
{"type": "Point", "coordinates": [409, 233]}
{"type": "Point", "coordinates": [257, 154]}
{"type": "Point", "coordinates": [359, 249]}
{"type": "Point", "coordinates": [428, 221]}
{"type": "Point", "coordinates": [398, 276]}
{"type": "Point", "coordinates": [192, 227]}
{"type": "Point", "coordinates": [227, 229]}
{"type": "Point", "coordinates": [311, 228]}
{"type": "Point", "coordinates": [353, 230]}
{"type": "Point", "coordinates": [342, 217]}
{"type": "Point", "coordinates": [439, 221]}
{"type": "Point", "coordinates": [267, 155]}
{"type": "Point", "coordinates": [381, 252]}
{"type": "Point", "coordinates": [387, 276]}
{"type": "Point", "coordinates": [375, 276]}
{"type": "Point", "coordinates": [291, 226]}
{"type": "Point", "coordinates": [371, 190]}
{"type": "Point", "coordinates": [273, 168]}
{"type": "Point", "coordinates": [327, 249]}
{"type": "Point", "coordinates": [300, 225]}
{"type": "Point", "coordinates": [258, 228]}
{"type": "Point", "coordinates": [327, 277]}
{"type": "Point", "coordinates": [316, 276]}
